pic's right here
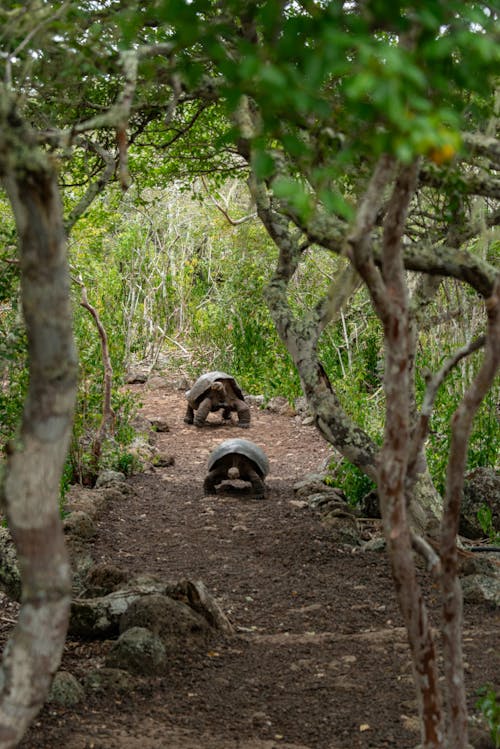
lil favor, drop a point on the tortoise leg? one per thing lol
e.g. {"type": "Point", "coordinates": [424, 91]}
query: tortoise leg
{"type": "Point", "coordinates": [258, 486]}
{"type": "Point", "coordinates": [243, 412]}
{"type": "Point", "coordinates": [211, 482]}
{"type": "Point", "coordinates": [226, 414]}
{"type": "Point", "coordinates": [202, 412]}
{"type": "Point", "coordinates": [189, 415]}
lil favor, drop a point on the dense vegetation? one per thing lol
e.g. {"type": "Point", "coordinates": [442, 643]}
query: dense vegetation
{"type": "Point", "coordinates": [178, 286]}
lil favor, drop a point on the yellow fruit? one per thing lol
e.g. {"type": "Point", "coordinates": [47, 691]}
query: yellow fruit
{"type": "Point", "coordinates": [442, 154]}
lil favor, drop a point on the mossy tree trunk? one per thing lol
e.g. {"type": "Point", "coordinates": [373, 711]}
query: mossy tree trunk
{"type": "Point", "coordinates": [31, 482]}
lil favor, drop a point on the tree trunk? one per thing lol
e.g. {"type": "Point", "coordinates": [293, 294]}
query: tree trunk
{"type": "Point", "coordinates": [36, 457]}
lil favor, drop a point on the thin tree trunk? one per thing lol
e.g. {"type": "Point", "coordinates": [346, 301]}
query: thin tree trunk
{"type": "Point", "coordinates": [108, 416]}
{"type": "Point", "coordinates": [36, 457]}
{"type": "Point", "coordinates": [461, 424]}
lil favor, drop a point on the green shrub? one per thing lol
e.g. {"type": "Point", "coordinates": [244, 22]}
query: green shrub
{"type": "Point", "coordinates": [489, 705]}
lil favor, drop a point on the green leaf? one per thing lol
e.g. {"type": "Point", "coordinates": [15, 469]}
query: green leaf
{"type": "Point", "coordinates": [263, 164]}
{"type": "Point", "coordinates": [295, 194]}
{"type": "Point", "coordinates": [334, 202]}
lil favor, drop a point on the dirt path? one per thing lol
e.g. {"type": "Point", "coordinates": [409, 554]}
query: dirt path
{"type": "Point", "coordinates": [319, 660]}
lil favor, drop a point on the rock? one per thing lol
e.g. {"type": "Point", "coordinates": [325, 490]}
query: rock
{"type": "Point", "coordinates": [141, 423]}
{"type": "Point", "coordinates": [481, 589]}
{"type": "Point", "coordinates": [80, 524]}
{"type": "Point", "coordinates": [103, 578]}
{"type": "Point", "coordinates": [108, 477]}
{"type": "Point", "coordinates": [173, 622]}
{"type": "Point", "coordinates": [141, 449]}
{"type": "Point", "coordinates": [103, 680]}
{"type": "Point", "coordinates": [255, 400]}
{"type": "Point", "coordinates": [157, 382]}
{"type": "Point", "coordinates": [301, 407]}
{"type": "Point", "coordinates": [66, 690]}
{"type": "Point", "coordinates": [326, 500]}
{"type": "Point", "coordinates": [344, 528]}
{"type": "Point", "coordinates": [161, 460]}
{"type": "Point", "coordinates": [369, 505]}
{"type": "Point", "coordinates": [201, 600]}
{"type": "Point", "coordinates": [137, 376]}
{"type": "Point", "coordinates": [280, 405]}
{"type": "Point", "coordinates": [313, 483]}
{"type": "Point", "coordinates": [481, 488]}
{"type": "Point", "coordinates": [374, 544]}
{"type": "Point", "coordinates": [308, 421]}
{"type": "Point", "coordinates": [478, 564]}
{"type": "Point", "coordinates": [159, 424]}
{"type": "Point", "coordinates": [138, 651]}
{"type": "Point", "coordinates": [100, 617]}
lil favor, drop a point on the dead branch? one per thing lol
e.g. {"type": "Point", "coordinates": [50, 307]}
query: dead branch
{"type": "Point", "coordinates": [108, 415]}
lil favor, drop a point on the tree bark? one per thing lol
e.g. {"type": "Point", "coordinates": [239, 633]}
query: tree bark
{"type": "Point", "coordinates": [457, 728]}
{"type": "Point", "coordinates": [31, 487]}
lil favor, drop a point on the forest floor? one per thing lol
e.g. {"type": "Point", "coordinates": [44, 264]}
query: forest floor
{"type": "Point", "coordinates": [319, 659]}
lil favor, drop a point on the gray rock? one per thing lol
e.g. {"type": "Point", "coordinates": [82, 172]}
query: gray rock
{"type": "Point", "coordinates": [326, 500]}
{"type": "Point", "coordinates": [343, 527]}
{"type": "Point", "coordinates": [175, 623]}
{"type": "Point", "coordinates": [103, 680]}
{"type": "Point", "coordinates": [108, 477]}
{"type": "Point", "coordinates": [255, 400]}
{"type": "Point", "coordinates": [137, 376]}
{"type": "Point", "coordinates": [308, 421]}
{"type": "Point", "coordinates": [159, 424]}
{"type": "Point", "coordinates": [313, 483]}
{"type": "Point", "coordinates": [138, 651]}
{"type": "Point", "coordinates": [103, 578]}
{"type": "Point", "coordinates": [162, 460]}
{"type": "Point", "coordinates": [301, 406]}
{"type": "Point", "coordinates": [481, 589]}
{"type": "Point", "coordinates": [80, 524]}
{"type": "Point", "coordinates": [481, 488]}
{"type": "Point", "coordinates": [374, 544]}
{"type": "Point", "coordinates": [280, 405]}
{"type": "Point", "coordinates": [66, 689]}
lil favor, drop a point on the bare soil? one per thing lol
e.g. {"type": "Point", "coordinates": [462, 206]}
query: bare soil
{"type": "Point", "coordinates": [319, 659]}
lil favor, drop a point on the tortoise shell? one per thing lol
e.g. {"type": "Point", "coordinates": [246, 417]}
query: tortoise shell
{"type": "Point", "coordinates": [205, 382]}
{"type": "Point", "coordinates": [248, 449]}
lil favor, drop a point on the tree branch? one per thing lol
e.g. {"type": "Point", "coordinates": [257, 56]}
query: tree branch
{"type": "Point", "coordinates": [451, 591]}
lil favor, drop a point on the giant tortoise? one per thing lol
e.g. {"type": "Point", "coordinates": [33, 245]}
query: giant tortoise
{"type": "Point", "coordinates": [214, 391]}
{"type": "Point", "coordinates": [237, 458]}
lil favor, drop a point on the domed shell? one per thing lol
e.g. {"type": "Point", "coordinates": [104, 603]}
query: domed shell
{"type": "Point", "coordinates": [205, 382]}
{"type": "Point", "coordinates": [242, 447]}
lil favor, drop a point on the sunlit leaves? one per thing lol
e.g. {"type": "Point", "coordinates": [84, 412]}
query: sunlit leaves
{"type": "Point", "coordinates": [295, 194]}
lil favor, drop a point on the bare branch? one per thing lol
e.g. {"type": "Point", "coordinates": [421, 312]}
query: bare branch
{"type": "Point", "coordinates": [472, 184]}
{"type": "Point", "coordinates": [96, 187]}
{"type": "Point", "coordinates": [232, 221]}
{"type": "Point", "coordinates": [422, 547]}
{"type": "Point", "coordinates": [360, 242]}
{"type": "Point", "coordinates": [339, 292]}
{"type": "Point", "coordinates": [434, 383]}
{"type": "Point", "coordinates": [484, 145]}
{"type": "Point", "coordinates": [108, 415]}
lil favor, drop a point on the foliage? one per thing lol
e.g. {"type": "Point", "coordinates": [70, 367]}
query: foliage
{"type": "Point", "coordinates": [489, 706]}
{"type": "Point", "coordinates": [485, 519]}
{"type": "Point", "coordinates": [354, 483]}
